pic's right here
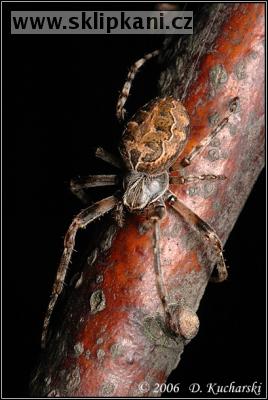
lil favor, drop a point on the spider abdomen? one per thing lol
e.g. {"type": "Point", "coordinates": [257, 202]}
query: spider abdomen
{"type": "Point", "coordinates": [155, 136]}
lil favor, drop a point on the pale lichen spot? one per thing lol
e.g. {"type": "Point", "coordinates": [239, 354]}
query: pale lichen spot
{"type": "Point", "coordinates": [100, 354]}
{"type": "Point", "coordinates": [213, 155]}
{"type": "Point", "coordinates": [218, 76]}
{"type": "Point", "coordinates": [97, 301]}
{"type": "Point", "coordinates": [107, 389]}
{"type": "Point", "coordinates": [78, 349]}
{"type": "Point", "coordinates": [240, 70]}
{"type": "Point", "coordinates": [116, 350]}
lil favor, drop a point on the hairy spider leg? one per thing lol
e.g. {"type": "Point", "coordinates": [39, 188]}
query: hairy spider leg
{"type": "Point", "coordinates": [194, 178]}
{"type": "Point", "coordinates": [204, 229]}
{"type": "Point", "coordinates": [120, 110]}
{"type": "Point", "coordinates": [108, 157]}
{"type": "Point", "coordinates": [161, 287]}
{"type": "Point", "coordinates": [157, 213]}
{"type": "Point", "coordinates": [78, 185]}
{"type": "Point", "coordinates": [85, 217]}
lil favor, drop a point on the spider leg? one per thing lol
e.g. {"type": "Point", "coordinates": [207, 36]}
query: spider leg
{"type": "Point", "coordinates": [161, 287]}
{"type": "Point", "coordinates": [78, 185]}
{"type": "Point", "coordinates": [93, 181]}
{"type": "Point", "coordinates": [204, 229]}
{"type": "Point", "coordinates": [204, 143]}
{"type": "Point", "coordinates": [120, 110]}
{"type": "Point", "coordinates": [180, 320]}
{"type": "Point", "coordinates": [86, 216]}
{"type": "Point", "coordinates": [158, 213]}
{"type": "Point", "coordinates": [194, 178]}
{"type": "Point", "coordinates": [108, 157]}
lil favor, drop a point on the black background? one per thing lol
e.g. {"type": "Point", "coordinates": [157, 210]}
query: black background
{"type": "Point", "coordinates": [60, 94]}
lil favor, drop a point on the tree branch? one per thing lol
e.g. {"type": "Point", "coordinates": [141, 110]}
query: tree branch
{"type": "Point", "coordinates": [112, 336]}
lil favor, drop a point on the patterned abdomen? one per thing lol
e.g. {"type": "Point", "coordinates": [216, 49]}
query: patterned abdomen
{"type": "Point", "coordinates": [155, 136]}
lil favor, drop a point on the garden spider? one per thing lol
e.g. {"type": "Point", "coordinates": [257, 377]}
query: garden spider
{"type": "Point", "coordinates": [151, 142]}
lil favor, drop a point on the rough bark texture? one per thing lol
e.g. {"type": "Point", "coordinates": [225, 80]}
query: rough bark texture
{"type": "Point", "coordinates": [112, 336]}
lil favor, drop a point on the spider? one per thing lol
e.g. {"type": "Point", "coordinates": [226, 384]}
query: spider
{"type": "Point", "coordinates": [151, 143]}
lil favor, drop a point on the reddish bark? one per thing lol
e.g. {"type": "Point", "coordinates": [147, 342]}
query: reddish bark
{"type": "Point", "coordinates": [112, 337]}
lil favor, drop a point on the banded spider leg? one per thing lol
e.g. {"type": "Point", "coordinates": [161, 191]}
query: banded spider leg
{"type": "Point", "coordinates": [79, 185]}
{"type": "Point", "coordinates": [204, 229]}
{"type": "Point", "coordinates": [120, 110]}
{"type": "Point", "coordinates": [191, 218]}
{"type": "Point", "coordinates": [85, 217]}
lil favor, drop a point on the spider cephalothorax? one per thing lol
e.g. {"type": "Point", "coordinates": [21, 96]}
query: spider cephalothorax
{"type": "Point", "coordinates": [141, 189]}
{"type": "Point", "coordinates": [150, 144]}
